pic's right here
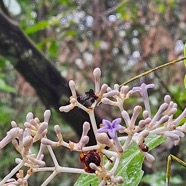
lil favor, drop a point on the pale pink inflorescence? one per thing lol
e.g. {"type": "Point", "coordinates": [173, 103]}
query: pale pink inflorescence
{"type": "Point", "coordinates": [117, 134]}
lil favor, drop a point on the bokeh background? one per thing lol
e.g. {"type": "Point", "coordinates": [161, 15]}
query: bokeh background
{"type": "Point", "coordinates": [122, 37]}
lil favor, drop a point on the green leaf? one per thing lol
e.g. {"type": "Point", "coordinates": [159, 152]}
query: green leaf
{"type": "Point", "coordinates": [5, 87]}
{"type": "Point", "coordinates": [38, 26]}
{"type": "Point", "coordinates": [158, 178]}
{"type": "Point", "coordinates": [185, 81]}
{"type": "Point", "coordinates": [130, 167]}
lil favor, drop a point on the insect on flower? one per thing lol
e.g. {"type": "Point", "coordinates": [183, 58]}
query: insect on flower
{"type": "Point", "coordinates": [91, 156]}
{"type": "Point", "coordinates": [88, 99]}
{"type": "Point", "coordinates": [143, 147]}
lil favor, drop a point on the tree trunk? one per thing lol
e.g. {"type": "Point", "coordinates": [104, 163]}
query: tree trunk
{"type": "Point", "coordinates": [50, 86]}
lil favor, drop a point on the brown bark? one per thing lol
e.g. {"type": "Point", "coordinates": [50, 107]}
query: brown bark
{"type": "Point", "coordinates": [49, 85]}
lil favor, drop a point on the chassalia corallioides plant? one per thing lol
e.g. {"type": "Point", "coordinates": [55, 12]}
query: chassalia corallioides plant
{"type": "Point", "coordinates": [119, 142]}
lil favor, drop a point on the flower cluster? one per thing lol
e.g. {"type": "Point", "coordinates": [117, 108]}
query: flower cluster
{"type": "Point", "coordinates": [112, 137]}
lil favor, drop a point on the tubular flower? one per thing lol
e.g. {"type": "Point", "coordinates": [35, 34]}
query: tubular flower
{"type": "Point", "coordinates": [143, 92]}
{"type": "Point", "coordinates": [111, 128]}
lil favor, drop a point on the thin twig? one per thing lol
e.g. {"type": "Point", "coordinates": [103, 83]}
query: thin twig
{"type": "Point", "coordinates": [152, 70]}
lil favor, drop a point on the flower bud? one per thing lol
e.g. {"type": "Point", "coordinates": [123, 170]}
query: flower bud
{"type": "Point", "coordinates": [41, 131]}
{"type": "Point", "coordinates": [124, 90]}
{"type": "Point", "coordinates": [11, 134]}
{"type": "Point", "coordinates": [116, 87]}
{"type": "Point", "coordinates": [27, 142]}
{"type": "Point", "coordinates": [145, 114]}
{"type": "Point", "coordinates": [84, 140]}
{"type": "Point", "coordinates": [149, 157]}
{"type": "Point", "coordinates": [119, 180]}
{"type": "Point", "coordinates": [103, 88]}
{"type": "Point", "coordinates": [29, 116]}
{"type": "Point", "coordinates": [72, 88]}
{"type": "Point", "coordinates": [47, 115]}
{"type": "Point", "coordinates": [108, 101]}
{"type": "Point", "coordinates": [13, 124]}
{"type": "Point", "coordinates": [167, 99]}
{"type": "Point", "coordinates": [29, 126]}
{"type": "Point", "coordinates": [58, 132]}
{"type": "Point", "coordinates": [103, 139]}
{"type": "Point", "coordinates": [111, 93]}
{"type": "Point", "coordinates": [46, 141]}
{"type": "Point", "coordinates": [97, 74]}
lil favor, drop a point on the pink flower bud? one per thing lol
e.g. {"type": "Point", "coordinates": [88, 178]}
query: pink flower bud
{"type": "Point", "coordinates": [97, 74]}
{"type": "Point", "coordinates": [86, 128]}
{"type": "Point", "coordinates": [108, 101]}
{"type": "Point", "coordinates": [116, 87]}
{"type": "Point", "coordinates": [29, 126]}
{"type": "Point", "coordinates": [111, 93]}
{"type": "Point", "coordinates": [72, 88]}
{"type": "Point", "coordinates": [103, 89]}
{"type": "Point", "coordinates": [46, 141]}
{"type": "Point", "coordinates": [58, 132]}
{"type": "Point", "coordinates": [146, 114]}
{"type": "Point", "coordinates": [103, 139]}
{"type": "Point", "coordinates": [143, 123]}
{"type": "Point", "coordinates": [149, 157]}
{"type": "Point", "coordinates": [83, 141]}
{"type": "Point", "coordinates": [13, 124]}
{"type": "Point", "coordinates": [29, 116]}
{"type": "Point", "coordinates": [119, 180]}
{"type": "Point", "coordinates": [11, 134]}
{"type": "Point", "coordinates": [47, 115]}
{"type": "Point", "coordinates": [167, 99]}
{"type": "Point", "coordinates": [27, 142]}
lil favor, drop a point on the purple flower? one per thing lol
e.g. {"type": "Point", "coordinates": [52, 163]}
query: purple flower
{"type": "Point", "coordinates": [143, 92]}
{"type": "Point", "coordinates": [111, 128]}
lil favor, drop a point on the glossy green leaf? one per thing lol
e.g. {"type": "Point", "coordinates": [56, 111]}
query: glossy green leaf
{"type": "Point", "coordinates": [130, 167]}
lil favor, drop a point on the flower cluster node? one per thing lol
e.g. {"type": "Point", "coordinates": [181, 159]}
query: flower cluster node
{"type": "Point", "coordinates": [112, 137]}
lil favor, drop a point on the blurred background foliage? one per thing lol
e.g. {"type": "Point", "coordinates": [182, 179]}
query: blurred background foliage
{"type": "Point", "coordinates": [124, 38]}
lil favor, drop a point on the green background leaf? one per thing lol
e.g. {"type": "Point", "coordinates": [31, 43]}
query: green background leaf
{"type": "Point", "coordinates": [130, 167]}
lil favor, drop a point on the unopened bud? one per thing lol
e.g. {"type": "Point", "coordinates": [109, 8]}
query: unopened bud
{"type": "Point", "coordinates": [11, 134]}
{"type": "Point", "coordinates": [111, 93]}
{"type": "Point", "coordinates": [149, 157]}
{"type": "Point", "coordinates": [103, 88]}
{"type": "Point", "coordinates": [103, 139]}
{"type": "Point", "coordinates": [47, 115]}
{"type": "Point", "coordinates": [116, 87]}
{"type": "Point", "coordinates": [29, 116]}
{"type": "Point", "coordinates": [46, 141]}
{"type": "Point", "coordinates": [72, 88]}
{"type": "Point", "coordinates": [13, 124]}
{"type": "Point", "coordinates": [119, 180]}
{"type": "Point", "coordinates": [84, 140]}
{"type": "Point", "coordinates": [124, 90]}
{"type": "Point", "coordinates": [29, 126]}
{"type": "Point", "coordinates": [86, 128]}
{"type": "Point", "coordinates": [27, 142]}
{"type": "Point", "coordinates": [108, 101]}
{"type": "Point", "coordinates": [167, 99]}
{"type": "Point", "coordinates": [58, 132]}
{"type": "Point", "coordinates": [145, 114]}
